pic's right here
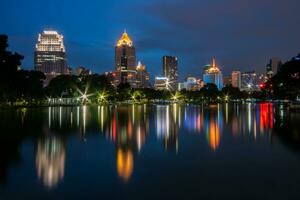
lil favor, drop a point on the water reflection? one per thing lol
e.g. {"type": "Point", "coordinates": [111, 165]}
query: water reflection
{"type": "Point", "coordinates": [213, 131]}
{"type": "Point", "coordinates": [50, 160]}
{"type": "Point", "coordinates": [167, 125]}
{"type": "Point", "coordinates": [124, 163]}
{"type": "Point", "coordinates": [129, 127]}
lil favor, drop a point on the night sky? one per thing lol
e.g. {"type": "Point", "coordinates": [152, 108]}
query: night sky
{"type": "Point", "coordinates": [242, 35]}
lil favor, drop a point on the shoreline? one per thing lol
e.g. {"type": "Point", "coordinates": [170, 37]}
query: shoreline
{"type": "Point", "coordinates": [275, 102]}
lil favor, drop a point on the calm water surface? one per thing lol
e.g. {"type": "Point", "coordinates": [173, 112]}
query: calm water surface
{"type": "Point", "coordinates": [237, 151]}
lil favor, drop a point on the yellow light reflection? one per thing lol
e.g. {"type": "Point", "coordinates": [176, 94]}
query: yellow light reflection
{"type": "Point", "coordinates": [124, 164]}
{"type": "Point", "coordinates": [214, 135]}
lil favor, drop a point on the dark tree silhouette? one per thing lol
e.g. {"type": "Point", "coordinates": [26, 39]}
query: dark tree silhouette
{"type": "Point", "coordinates": [15, 83]}
{"type": "Point", "coordinates": [232, 92]}
{"type": "Point", "coordinates": [286, 83]}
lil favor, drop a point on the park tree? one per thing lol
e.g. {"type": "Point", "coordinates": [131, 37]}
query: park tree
{"type": "Point", "coordinates": [210, 92]}
{"type": "Point", "coordinates": [230, 92]}
{"type": "Point", "coordinates": [286, 83]}
{"type": "Point", "coordinates": [63, 85]}
{"type": "Point", "coordinates": [16, 83]}
{"type": "Point", "coordinates": [124, 92]}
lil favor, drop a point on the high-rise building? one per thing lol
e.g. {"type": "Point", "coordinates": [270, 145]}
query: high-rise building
{"type": "Point", "coordinates": [212, 74]}
{"type": "Point", "coordinates": [250, 81]}
{"type": "Point", "coordinates": [170, 67]}
{"type": "Point", "coordinates": [142, 76]}
{"type": "Point", "coordinates": [236, 79]}
{"type": "Point", "coordinates": [125, 59]}
{"type": "Point", "coordinates": [191, 84]}
{"type": "Point", "coordinates": [162, 83]}
{"type": "Point", "coordinates": [50, 55]}
{"type": "Point", "coordinates": [273, 67]}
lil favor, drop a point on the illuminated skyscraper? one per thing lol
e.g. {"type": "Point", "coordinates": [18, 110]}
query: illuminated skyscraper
{"type": "Point", "coordinates": [212, 74]}
{"type": "Point", "coordinates": [125, 59]}
{"type": "Point", "coordinates": [162, 83]}
{"type": "Point", "coordinates": [236, 79]}
{"type": "Point", "coordinates": [250, 81]}
{"type": "Point", "coordinates": [142, 76]}
{"type": "Point", "coordinates": [50, 55]}
{"type": "Point", "coordinates": [170, 67]}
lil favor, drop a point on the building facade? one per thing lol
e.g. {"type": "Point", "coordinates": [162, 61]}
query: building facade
{"type": "Point", "coordinates": [236, 79]}
{"type": "Point", "coordinates": [170, 70]}
{"type": "Point", "coordinates": [161, 83]}
{"type": "Point", "coordinates": [191, 84]}
{"type": "Point", "coordinates": [142, 76]}
{"type": "Point", "coordinates": [272, 67]}
{"type": "Point", "coordinates": [50, 55]}
{"type": "Point", "coordinates": [125, 59]}
{"type": "Point", "coordinates": [250, 81]}
{"type": "Point", "coordinates": [212, 74]}
{"type": "Point", "coordinates": [125, 63]}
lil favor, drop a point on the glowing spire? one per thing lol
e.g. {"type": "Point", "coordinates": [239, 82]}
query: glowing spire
{"type": "Point", "coordinates": [124, 40]}
{"type": "Point", "coordinates": [213, 68]}
{"type": "Point", "coordinates": [213, 64]}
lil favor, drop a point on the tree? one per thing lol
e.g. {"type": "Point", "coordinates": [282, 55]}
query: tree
{"type": "Point", "coordinates": [63, 84]}
{"type": "Point", "coordinates": [286, 83]}
{"type": "Point", "coordinates": [231, 92]}
{"type": "Point", "coordinates": [210, 92]}
{"type": "Point", "coordinates": [15, 83]}
{"type": "Point", "coordinates": [123, 92]}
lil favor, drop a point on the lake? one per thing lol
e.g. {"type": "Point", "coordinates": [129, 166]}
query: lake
{"type": "Point", "coordinates": [237, 151]}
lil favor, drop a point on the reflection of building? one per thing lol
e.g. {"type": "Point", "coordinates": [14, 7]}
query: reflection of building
{"type": "Point", "coordinates": [142, 76]}
{"type": "Point", "coordinates": [166, 126]}
{"type": "Point", "coordinates": [161, 83]}
{"type": "Point", "coordinates": [193, 119]}
{"type": "Point", "coordinates": [191, 84]}
{"type": "Point", "coordinates": [214, 134]}
{"type": "Point", "coordinates": [212, 74]}
{"type": "Point", "coordinates": [50, 161]}
{"type": "Point", "coordinates": [128, 129]}
{"type": "Point", "coordinates": [124, 164]}
{"type": "Point", "coordinates": [236, 79]}
{"type": "Point", "coordinates": [170, 67]}
{"type": "Point", "coordinates": [50, 55]}
{"type": "Point", "coordinates": [212, 127]}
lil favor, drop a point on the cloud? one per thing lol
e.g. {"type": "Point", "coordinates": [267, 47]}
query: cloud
{"type": "Point", "coordinates": [239, 33]}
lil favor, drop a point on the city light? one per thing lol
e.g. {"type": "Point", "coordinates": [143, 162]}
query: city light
{"type": "Point", "coordinates": [101, 97]}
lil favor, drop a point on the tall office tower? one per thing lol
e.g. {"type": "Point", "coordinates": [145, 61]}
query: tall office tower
{"type": "Point", "coordinates": [142, 76]}
{"type": "Point", "coordinates": [161, 83]}
{"type": "Point", "coordinates": [50, 55]}
{"type": "Point", "coordinates": [236, 79]}
{"type": "Point", "coordinates": [125, 59]}
{"type": "Point", "coordinates": [212, 74]}
{"type": "Point", "coordinates": [273, 67]}
{"type": "Point", "coordinates": [170, 67]}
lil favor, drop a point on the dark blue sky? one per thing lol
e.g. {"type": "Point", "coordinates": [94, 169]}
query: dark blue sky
{"type": "Point", "coordinates": [242, 35]}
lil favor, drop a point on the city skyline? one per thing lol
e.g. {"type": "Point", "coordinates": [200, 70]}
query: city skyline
{"type": "Point", "coordinates": [90, 38]}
